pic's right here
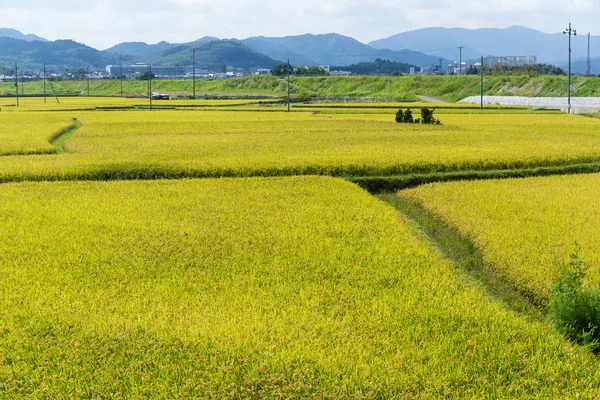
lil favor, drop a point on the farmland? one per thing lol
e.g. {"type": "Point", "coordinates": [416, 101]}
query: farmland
{"type": "Point", "coordinates": [21, 136]}
{"type": "Point", "coordinates": [245, 287]}
{"type": "Point", "coordinates": [218, 249]}
{"type": "Point", "coordinates": [133, 144]}
{"type": "Point", "coordinates": [526, 228]}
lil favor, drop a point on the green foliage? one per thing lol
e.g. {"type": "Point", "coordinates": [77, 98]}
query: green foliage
{"type": "Point", "coordinates": [406, 117]}
{"type": "Point", "coordinates": [310, 71]}
{"type": "Point", "coordinates": [541, 69]}
{"type": "Point", "coordinates": [146, 76]}
{"type": "Point", "coordinates": [377, 67]}
{"type": "Point", "coordinates": [428, 118]}
{"type": "Point", "coordinates": [282, 69]}
{"type": "Point", "coordinates": [575, 310]}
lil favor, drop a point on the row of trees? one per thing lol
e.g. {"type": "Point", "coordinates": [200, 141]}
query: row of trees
{"type": "Point", "coordinates": [282, 70]}
{"type": "Point", "coordinates": [540, 69]}
{"type": "Point", "coordinates": [379, 67]}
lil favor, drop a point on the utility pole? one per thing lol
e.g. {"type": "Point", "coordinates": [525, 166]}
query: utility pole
{"type": "Point", "coordinates": [121, 74]}
{"type": "Point", "coordinates": [460, 60]}
{"type": "Point", "coordinates": [589, 61]}
{"type": "Point", "coordinates": [571, 32]}
{"type": "Point", "coordinates": [288, 84]}
{"type": "Point", "coordinates": [88, 80]}
{"type": "Point", "coordinates": [150, 84]}
{"type": "Point", "coordinates": [17, 82]}
{"type": "Point", "coordinates": [481, 85]}
{"type": "Point", "coordinates": [194, 72]}
{"type": "Point", "coordinates": [44, 83]}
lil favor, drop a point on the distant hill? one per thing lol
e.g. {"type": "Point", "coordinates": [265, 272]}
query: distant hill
{"type": "Point", "coordinates": [331, 49]}
{"type": "Point", "coordinates": [271, 48]}
{"type": "Point", "coordinates": [138, 49]}
{"type": "Point", "coordinates": [513, 41]}
{"type": "Point", "coordinates": [15, 34]}
{"type": "Point", "coordinates": [580, 66]}
{"type": "Point", "coordinates": [61, 53]}
{"type": "Point", "coordinates": [211, 54]}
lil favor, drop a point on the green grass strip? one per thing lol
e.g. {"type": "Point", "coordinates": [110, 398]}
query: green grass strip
{"type": "Point", "coordinates": [58, 139]}
{"type": "Point", "coordinates": [462, 253]}
{"type": "Point", "coordinates": [381, 184]}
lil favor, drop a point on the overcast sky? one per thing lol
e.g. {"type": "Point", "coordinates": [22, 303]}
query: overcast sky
{"type": "Point", "coordinates": [104, 23]}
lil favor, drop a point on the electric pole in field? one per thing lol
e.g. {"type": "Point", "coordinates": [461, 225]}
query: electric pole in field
{"type": "Point", "coordinates": [194, 71]}
{"type": "Point", "coordinates": [150, 84]}
{"type": "Point", "coordinates": [460, 60]}
{"type": "Point", "coordinates": [121, 74]}
{"type": "Point", "coordinates": [17, 82]}
{"type": "Point", "coordinates": [481, 85]}
{"type": "Point", "coordinates": [589, 61]}
{"type": "Point", "coordinates": [288, 83]}
{"type": "Point", "coordinates": [88, 81]}
{"type": "Point", "coordinates": [44, 83]}
{"type": "Point", "coordinates": [571, 32]}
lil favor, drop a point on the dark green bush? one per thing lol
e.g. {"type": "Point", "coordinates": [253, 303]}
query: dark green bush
{"type": "Point", "coordinates": [406, 117]}
{"type": "Point", "coordinates": [428, 118]}
{"type": "Point", "coordinates": [400, 116]}
{"type": "Point", "coordinates": [573, 309]}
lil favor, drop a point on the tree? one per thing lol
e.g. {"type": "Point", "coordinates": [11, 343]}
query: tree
{"type": "Point", "coordinates": [377, 67]}
{"type": "Point", "coordinates": [146, 76]}
{"type": "Point", "coordinates": [311, 71]}
{"type": "Point", "coordinates": [282, 69]}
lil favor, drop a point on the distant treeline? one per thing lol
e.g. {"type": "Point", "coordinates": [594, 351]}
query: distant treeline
{"type": "Point", "coordinates": [378, 67]}
{"type": "Point", "coordinates": [540, 69]}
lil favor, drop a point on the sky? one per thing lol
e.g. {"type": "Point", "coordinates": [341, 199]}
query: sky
{"type": "Point", "coordinates": [104, 23]}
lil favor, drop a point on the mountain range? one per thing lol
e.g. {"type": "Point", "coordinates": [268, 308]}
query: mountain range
{"type": "Point", "coordinates": [422, 47]}
{"type": "Point", "coordinates": [549, 48]}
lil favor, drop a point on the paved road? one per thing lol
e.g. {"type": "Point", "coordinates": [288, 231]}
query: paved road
{"type": "Point", "coordinates": [431, 99]}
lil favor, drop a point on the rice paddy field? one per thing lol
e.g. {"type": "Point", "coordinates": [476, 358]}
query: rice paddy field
{"type": "Point", "coordinates": [173, 144]}
{"type": "Point", "coordinates": [527, 228]}
{"type": "Point", "coordinates": [221, 251]}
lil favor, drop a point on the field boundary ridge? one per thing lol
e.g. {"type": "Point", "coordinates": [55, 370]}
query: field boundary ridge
{"type": "Point", "coordinates": [462, 253]}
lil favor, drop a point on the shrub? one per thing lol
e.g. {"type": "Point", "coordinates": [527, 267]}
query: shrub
{"type": "Point", "coordinates": [427, 117]}
{"type": "Point", "coordinates": [406, 117]}
{"type": "Point", "coordinates": [400, 116]}
{"type": "Point", "coordinates": [573, 309]}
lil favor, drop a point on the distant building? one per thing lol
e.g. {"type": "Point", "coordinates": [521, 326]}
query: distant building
{"type": "Point", "coordinates": [260, 71]}
{"type": "Point", "coordinates": [340, 73]}
{"type": "Point", "coordinates": [453, 68]}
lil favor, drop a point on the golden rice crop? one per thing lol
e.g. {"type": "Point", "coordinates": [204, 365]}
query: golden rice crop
{"type": "Point", "coordinates": [89, 103]}
{"type": "Point", "coordinates": [30, 133]}
{"type": "Point", "coordinates": [412, 105]}
{"type": "Point", "coordinates": [189, 143]}
{"type": "Point", "coordinates": [301, 287]}
{"type": "Point", "coordinates": [525, 228]}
